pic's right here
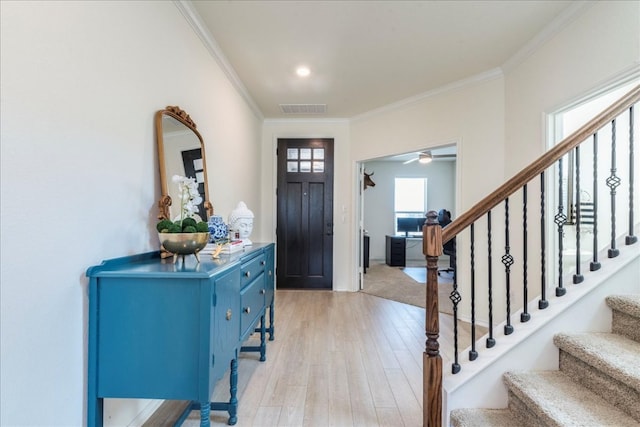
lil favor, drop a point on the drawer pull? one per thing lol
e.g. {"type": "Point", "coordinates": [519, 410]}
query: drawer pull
{"type": "Point", "coordinates": [263, 262]}
{"type": "Point", "coordinates": [228, 316]}
{"type": "Point", "coordinates": [262, 291]}
{"type": "Point", "coordinates": [269, 272]}
{"type": "Point", "coordinates": [248, 274]}
{"type": "Point", "coordinates": [247, 309]}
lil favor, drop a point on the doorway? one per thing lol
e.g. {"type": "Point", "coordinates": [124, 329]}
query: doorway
{"type": "Point", "coordinates": [381, 219]}
{"type": "Point", "coordinates": [304, 201]}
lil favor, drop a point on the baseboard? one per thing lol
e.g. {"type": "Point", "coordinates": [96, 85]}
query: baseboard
{"type": "Point", "coordinates": [146, 413]}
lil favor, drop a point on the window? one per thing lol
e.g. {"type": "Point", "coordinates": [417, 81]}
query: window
{"type": "Point", "coordinates": [305, 160]}
{"type": "Point", "coordinates": [563, 124]}
{"type": "Point", "coordinates": [410, 205]}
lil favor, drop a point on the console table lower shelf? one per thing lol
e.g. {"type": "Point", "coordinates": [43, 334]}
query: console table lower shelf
{"type": "Point", "coordinates": [158, 330]}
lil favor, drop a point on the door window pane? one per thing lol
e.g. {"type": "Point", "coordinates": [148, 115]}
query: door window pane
{"type": "Point", "coordinates": [305, 153]}
{"type": "Point", "coordinates": [305, 166]}
{"type": "Point", "coordinates": [292, 153]}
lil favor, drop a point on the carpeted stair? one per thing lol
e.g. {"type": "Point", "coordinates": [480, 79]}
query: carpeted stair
{"type": "Point", "coordinates": [598, 383]}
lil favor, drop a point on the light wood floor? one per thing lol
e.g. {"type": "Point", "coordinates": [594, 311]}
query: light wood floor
{"type": "Point", "coordinates": [338, 359]}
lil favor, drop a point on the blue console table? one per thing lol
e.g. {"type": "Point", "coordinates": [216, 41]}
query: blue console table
{"type": "Point", "coordinates": [159, 330]}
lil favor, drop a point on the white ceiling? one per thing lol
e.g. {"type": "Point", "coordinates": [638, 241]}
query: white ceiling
{"type": "Point", "coordinates": [365, 55]}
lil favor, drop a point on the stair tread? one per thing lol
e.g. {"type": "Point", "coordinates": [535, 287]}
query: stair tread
{"type": "Point", "coordinates": [613, 354]}
{"type": "Point", "coordinates": [556, 399]}
{"type": "Point", "coordinates": [629, 304]}
{"type": "Point", "coordinates": [483, 418]}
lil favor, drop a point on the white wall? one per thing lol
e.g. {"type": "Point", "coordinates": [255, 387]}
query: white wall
{"type": "Point", "coordinates": [599, 46]}
{"type": "Point", "coordinates": [379, 200]}
{"type": "Point", "coordinates": [81, 82]}
{"type": "Point", "coordinates": [471, 115]}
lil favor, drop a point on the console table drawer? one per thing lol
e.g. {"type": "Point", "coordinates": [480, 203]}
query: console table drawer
{"type": "Point", "coordinates": [252, 299]}
{"type": "Point", "coordinates": [252, 269]}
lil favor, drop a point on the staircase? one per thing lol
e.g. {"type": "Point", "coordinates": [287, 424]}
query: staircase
{"type": "Point", "coordinates": [598, 383]}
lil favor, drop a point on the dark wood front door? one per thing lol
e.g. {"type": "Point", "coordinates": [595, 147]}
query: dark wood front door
{"type": "Point", "coordinates": [305, 214]}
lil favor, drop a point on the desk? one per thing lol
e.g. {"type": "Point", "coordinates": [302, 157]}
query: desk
{"type": "Point", "coordinates": [396, 249]}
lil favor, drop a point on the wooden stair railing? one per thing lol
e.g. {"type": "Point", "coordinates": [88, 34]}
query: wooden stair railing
{"type": "Point", "coordinates": [434, 237]}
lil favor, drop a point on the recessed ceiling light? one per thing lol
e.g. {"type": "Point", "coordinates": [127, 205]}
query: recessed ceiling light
{"type": "Point", "coordinates": [303, 71]}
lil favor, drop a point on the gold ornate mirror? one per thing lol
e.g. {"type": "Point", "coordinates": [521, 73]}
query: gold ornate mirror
{"type": "Point", "coordinates": [180, 152]}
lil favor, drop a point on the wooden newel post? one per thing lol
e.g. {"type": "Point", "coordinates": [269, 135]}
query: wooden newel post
{"type": "Point", "coordinates": [432, 361]}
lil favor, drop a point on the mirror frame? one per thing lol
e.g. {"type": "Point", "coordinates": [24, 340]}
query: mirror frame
{"type": "Point", "coordinates": [165, 200]}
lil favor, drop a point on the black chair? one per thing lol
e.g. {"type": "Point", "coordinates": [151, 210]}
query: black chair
{"type": "Point", "coordinates": [449, 248]}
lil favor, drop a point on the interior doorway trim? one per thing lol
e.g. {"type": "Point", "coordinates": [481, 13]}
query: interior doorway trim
{"type": "Point", "coordinates": [357, 276]}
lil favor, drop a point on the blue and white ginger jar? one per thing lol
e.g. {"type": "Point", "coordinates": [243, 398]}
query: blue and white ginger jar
{"type": "Point", "coordinates": [217, 228]}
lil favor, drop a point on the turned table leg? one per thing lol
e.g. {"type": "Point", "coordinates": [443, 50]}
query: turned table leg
{"type": "Point", "coordinates": [205, 410]}
{"type": "Point", "coordinates": [233, 389]}
{"type": "Point", "coordinates": [271, 329]}
{"type": "Point", "coordinates": [263, 343]}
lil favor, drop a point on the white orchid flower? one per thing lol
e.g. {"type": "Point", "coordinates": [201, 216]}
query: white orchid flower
{"type": "Point", "coordinates": [189, 196]}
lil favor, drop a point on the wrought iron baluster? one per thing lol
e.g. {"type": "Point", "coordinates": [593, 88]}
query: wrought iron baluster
{"type": "Point", "coordinates": [543, 303]}
{"type": "Point", "coordinates": [594, 265]}
{"type": "Point", "coordinates": [613, 182]}
{"type": "Point", "coordinates": [560, 220]}
{"type": "Point", "coordinates": [507, 261]}
{"type": "Point", "coordinates": [455, 299]}
{"type": "Point", "coordinates": [631, 239]}
{"type": "Point", "coordinates": [490, 341]}
{"type": "Point", "coordinates": [524, 316]}
{"type": "Point", "coordinates": [473, 354]}
{"type": "Point", "coordinates": [577, 278]}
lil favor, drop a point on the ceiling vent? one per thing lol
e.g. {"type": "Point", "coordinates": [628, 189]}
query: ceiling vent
{"type": "Point", "coordinates": [303, 108]}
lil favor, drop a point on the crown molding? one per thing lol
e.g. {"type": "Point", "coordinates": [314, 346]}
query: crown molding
{"type": "Point", "coordinates": [193, 18]}
{"type": "Point", "coordinates": [548, 32]}
{"type": "Point", "coordinates": [478, 78]}
{"type": "Point", "coordinates": [628, 75]}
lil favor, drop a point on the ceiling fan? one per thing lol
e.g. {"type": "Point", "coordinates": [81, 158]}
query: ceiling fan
{"type": "Point", "coordinates": [426, 157]}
